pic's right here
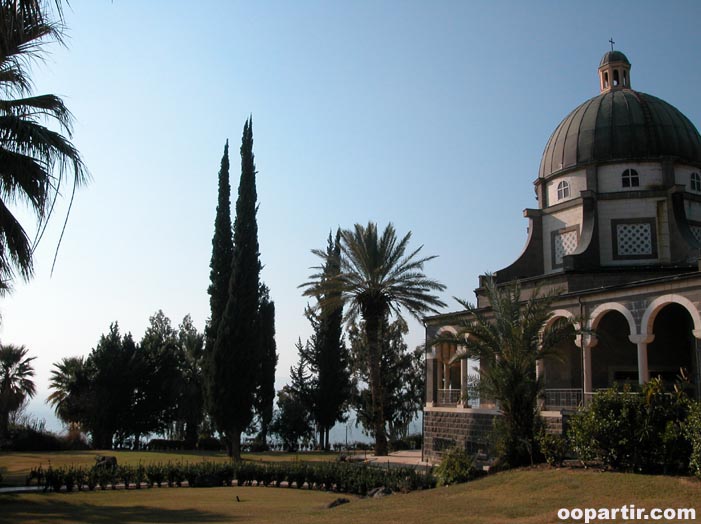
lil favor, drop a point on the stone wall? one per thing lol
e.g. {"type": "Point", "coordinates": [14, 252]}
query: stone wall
{"type": "Point", "coordinates": [446, 429]}
{"type": "Point", "coordinates": [469, 429]}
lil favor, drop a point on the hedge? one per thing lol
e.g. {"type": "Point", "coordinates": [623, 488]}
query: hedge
{"type": "Point", "coordinates": [331, 476]}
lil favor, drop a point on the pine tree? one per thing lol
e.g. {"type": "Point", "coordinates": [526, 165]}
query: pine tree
{"type": "Point", "coordinates": [235, 359]}
{"type": "Point", "coordinates": [266, 387]}
{"type": "Point", "coordinates": [222, 253]}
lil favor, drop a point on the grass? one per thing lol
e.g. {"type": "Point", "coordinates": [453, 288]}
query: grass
{"type": "Point", "coordinates": [15, 466]}
{"type": "Point", "coordinates": [522, 496]}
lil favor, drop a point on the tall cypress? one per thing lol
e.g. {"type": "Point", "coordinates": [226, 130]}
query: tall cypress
{"type": "Point", "coordinates": [327, 355]}
{"type": "Point", "coordinates": [235, 359]}
{"type": "Point", "coordinates": [222, 254]}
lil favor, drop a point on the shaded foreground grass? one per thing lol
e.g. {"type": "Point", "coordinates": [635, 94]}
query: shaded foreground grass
{"type": "Point", "coordinates": [523, 496]}
{"type": "Point", "coordinates": [15, 466]}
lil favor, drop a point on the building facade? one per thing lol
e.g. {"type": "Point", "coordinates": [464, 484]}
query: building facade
{"type": "Point", "coordinates": [617, 233]}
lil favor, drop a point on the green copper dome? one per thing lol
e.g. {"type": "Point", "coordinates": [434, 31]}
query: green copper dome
{"type": "Point", "coordinates": [621, 125]}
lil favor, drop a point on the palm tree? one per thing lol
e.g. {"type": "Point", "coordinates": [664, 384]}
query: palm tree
{"type": "Point", "coordinates": [16, 382]}
{"type": "Point", "coordinates": [70, 383]}
{"type": "Point", "coordinates": [377, 278]}
{"type": "Point", "coordinates": [509, 339]}
{"type": "Point", "coordinates": [35, 161]}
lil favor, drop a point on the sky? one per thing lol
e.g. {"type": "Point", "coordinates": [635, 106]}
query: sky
{"type": "Point", "coordinates": [429, 115]}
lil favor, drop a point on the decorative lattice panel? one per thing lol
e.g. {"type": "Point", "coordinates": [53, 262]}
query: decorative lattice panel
{"type": "Point", "coordinates": [634, 239]}
{"type": "Point", "coordinates": [565, 244]}
{"type": "Point", "coordinates": [696, 230]}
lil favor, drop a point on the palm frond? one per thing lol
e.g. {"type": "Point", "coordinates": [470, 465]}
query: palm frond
{"type": "Point", "coordinates": [35, 160]}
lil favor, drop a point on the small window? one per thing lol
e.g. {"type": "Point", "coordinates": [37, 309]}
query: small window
{"type": "Point", "coordinates": [630, 178]}
{"type": "Point", "coordinates": [563, 190]}
{"type": "Point", "coordinates": [695, 182]}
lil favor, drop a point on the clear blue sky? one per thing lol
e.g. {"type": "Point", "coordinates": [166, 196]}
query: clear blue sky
{"type": "Point", "coordinates": [432, 115]}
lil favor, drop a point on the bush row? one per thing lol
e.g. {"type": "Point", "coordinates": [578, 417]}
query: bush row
{"type": "Point", "coordinates": [651, 432]}
{"type": "Point", "coordinates": [30, 438]}
{"type": "Point", "coordinates": [336, 476]}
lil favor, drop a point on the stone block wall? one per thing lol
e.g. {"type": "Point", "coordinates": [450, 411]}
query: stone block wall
{"type": "Point", "coordinates": [446, 429]}
{"type": "Point", "coordinates": [468, 429]}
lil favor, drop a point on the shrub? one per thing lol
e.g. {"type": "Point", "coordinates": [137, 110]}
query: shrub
{"type": "Point", "coordinates": [155, 474]}
{"type": "Point", "coordinates": [409, 442]}
{"type": "Point", "coordinates": [30, 438]}
{"type": "Point", "coordinates": [692, 432]}
{"type": "Point", "coordinates": [634, 432]}
{"type": "Point", "coordinates": [553, 448]}
{"type": "Point", "coordinates": [161, 444]}
{"type": "Point", "coordinates": [209, 444]}
{"type": "Point", "coordinates": [350, 478]}
{"type": "Point", "coordinates": [455, 467]}
{"type": "Point", "coordinates": [74, 441]}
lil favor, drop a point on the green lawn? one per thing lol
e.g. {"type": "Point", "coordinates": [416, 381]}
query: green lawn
{"type": "Point", "coordinates": [14, 466]}
{"type": "Point", "coordinates": [521, 496]}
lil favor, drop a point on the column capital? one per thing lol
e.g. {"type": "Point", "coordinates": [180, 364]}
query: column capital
{"type": "Point", "coordinates": [696, 332]}
{"type": "Point", "coordinates": [586, 340]}
{"type": "Point", "coordinates": [641, 339]}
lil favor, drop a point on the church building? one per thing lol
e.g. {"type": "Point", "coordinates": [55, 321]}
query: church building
{"type": "Point", "coordinates": [617, 233]}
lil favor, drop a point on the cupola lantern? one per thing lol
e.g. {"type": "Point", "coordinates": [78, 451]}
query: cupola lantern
{"type": "Point", "coordinates": [614, 72]}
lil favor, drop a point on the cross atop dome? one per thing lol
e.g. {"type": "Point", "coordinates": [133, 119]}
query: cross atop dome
{"type": "Point", "coordinates": [614, 71]}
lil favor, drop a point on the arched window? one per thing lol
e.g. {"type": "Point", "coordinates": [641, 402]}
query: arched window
{"type": "Point", "coordinates": [695, 180]}
{"type": "Point", "coordinates": [563, 190]}
{"type": "Point", "coordinates": [630, 178]}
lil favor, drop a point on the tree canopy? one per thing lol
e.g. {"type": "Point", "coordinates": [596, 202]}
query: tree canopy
{"type": "Point", "coordinates": [378, 277]}
{"type": "Point", "coordinates": [234, 363]}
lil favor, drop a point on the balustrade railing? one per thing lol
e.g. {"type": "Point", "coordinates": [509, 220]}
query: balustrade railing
{"type": "Point", "coordinates": [448, 397]}
{"type": "Point", "coordinates": [452, 397]}
{"type": "Point", "coordinates": [557, 399]}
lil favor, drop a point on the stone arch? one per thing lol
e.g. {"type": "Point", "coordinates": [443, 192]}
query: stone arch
{"type": "Point", "coordinates": [599, 312]}
{"type": "Point", "coordinates": [656, 305]}
{"type": "Point", "coordinates": [447, 329]}
{"type": "Point", "coordinates": [561, 313]}
{"type": "Point", "coordinates": [448, 374]}
{"type": "Point", "coordinates": [562, 373]}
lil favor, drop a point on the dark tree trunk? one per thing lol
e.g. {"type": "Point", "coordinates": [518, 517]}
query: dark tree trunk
{"type": "Point", "coordinates": [373, 327]}
{"type": "Point", "coordinates": [190, 435]}
{"type": "Point", "coordinates": [233, 444]}
{"type": "Point", "coordinates": [4, 425]}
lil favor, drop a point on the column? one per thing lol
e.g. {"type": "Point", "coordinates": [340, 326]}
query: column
{"type": "Point", "coordinates": [642, 341]}
{"type": "Point", "coordinates": [463, 384]}
{"type": "Point", "coordinates": [586, 342]}
{"type": "Point", "coordinates": [697, 354]}
{"type": "Point", "coordinates": [431, 378]}
{"type": "Point", "coordinates": [540, 369]}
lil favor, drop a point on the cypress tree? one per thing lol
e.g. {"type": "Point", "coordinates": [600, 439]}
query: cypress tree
{"type": "Point", "coordinates": [328, 357]}
{"type": "Point", "coordinates": [268, 352]}
{"type": "Point", "coordinates": [222, 254]}
{"type": "Point", "coordinates": [235, 359]}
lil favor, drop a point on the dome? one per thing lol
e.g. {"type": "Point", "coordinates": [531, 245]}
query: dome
{"type": "Point", "coordinates": [613, 56]}
{"type": "Point", "coordinates": [620, 125]}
